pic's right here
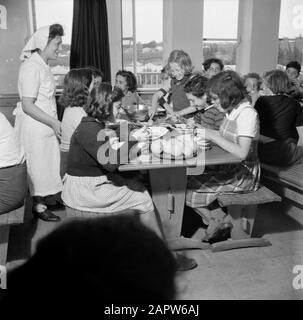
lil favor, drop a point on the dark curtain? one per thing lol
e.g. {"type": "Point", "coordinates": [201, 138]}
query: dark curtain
{"type": "Point", "coordinates": [90, 45]}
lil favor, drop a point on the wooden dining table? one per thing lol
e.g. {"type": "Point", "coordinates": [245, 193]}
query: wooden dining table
{"type": "Point", "coordinates": [168, 179]}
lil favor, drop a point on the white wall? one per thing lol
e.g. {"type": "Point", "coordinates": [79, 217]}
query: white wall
{"type": "Point", "coordinates": [258, 35]}
{"type": "Point", "coordinates": [183, 28]}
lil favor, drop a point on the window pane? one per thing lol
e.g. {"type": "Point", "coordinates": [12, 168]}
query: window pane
{"type": "Point", "coordinates": [291, 32]}
{"type": "Point", "coordinates": [149, 40]}
{"type": "Point", "coordinates": [224, 50]}
{"type": "Point", "coordinates": [57, 11]}
{"type": "Point", "coordinates": [220, 19]}
{"type": "Point", "coordinates": [220, 23]}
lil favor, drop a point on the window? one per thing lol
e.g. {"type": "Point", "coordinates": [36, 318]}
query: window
{"type": "Point", "coordinates": [142, 40]}
{"type": "Point", "coordinates": [220, 23]}
{"type": "Point", "coordinates": [47, 12]}
{"type": "Point", "coordinates": [290, 32]}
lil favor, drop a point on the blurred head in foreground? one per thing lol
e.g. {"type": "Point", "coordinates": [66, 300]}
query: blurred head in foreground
{"type": "Point", "coordinates": [102, 259]}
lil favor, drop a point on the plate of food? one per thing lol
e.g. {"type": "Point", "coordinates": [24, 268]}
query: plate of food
{"type": "Point", "coordinates": [157, 132]}
{"type": "Point", "coordinates": [173, 149]}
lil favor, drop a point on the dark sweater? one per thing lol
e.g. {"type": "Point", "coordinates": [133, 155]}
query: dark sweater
{"type": "Point", "coordinates": [89, 150]}
{"type": "Point", "coordinates": [279, 116]}
{"type": "Point", "coordinates": [178, 95]}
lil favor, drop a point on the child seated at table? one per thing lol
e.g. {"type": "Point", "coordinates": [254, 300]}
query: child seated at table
{"type": "Point", "coordinates": [77, 84]}
{"type": "Point", "coordinates": [179, 67]}
{"type": "Point", "coordinates": [212, 67]}
{"type": "Point", "coordinates": [238, 134]}
{"type": "Point", "coordinates": [207, 116]}
{"type": "Point", "coordinates": [252, 82]}
{"type": "Point", "coordinates": [92, 182]}
{"type": "Point", "coordinates": [279, 116]}
{"type": "Point", "coordinates": [127, 82]}
{"type": "Point", "coordinates": [293, 69]}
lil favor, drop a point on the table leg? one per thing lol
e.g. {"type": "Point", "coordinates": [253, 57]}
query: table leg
{"type": "Point", "coordinates": [168, 193]}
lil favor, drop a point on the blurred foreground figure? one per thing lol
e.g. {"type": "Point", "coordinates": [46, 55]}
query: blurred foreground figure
{"type": "Point", "coordinates": [96, 260]}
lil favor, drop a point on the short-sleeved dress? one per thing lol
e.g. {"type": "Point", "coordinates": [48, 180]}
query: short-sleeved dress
{"type": "Point", "coordinates": [240, 178]}
{"type": "Point", "coordinates": [40, 143]}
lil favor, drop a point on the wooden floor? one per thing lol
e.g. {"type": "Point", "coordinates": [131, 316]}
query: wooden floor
{"type": "Point", "coordinates": [250, 273]}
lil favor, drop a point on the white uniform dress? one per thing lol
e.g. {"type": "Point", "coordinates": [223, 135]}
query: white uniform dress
{"type": "Point", "coordinates": [41, 145]}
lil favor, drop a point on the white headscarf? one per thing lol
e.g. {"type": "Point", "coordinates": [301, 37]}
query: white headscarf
{"type": "Point", "coordinates": [37, 40]}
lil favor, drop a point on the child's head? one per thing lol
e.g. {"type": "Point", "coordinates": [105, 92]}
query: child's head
{"type": "Point", "coordinates": [212, 67]}
{"type": "Point", "coordinates": [179, 64]}
{"type": "Point", "coordinates": [252, 82]}
{"type": "Point", "coordinates": [117, 96]}
{"type": "Point", "coordinates": [226, 90]}
{"type": "Point", "coordinates": [100, 101]}
{"type": "Point", "coordinates": [275, 82]}
{"type": "Point", "coordinates": [195, 90]}
{"type": "Point", "coordinates": [76, 87]}
{"type": "Point", "coordinates": [98, 75]}
{"type": "Point", "coordinates": [126, 81]}
{"type": "Point", "coordinates": [293, 70]}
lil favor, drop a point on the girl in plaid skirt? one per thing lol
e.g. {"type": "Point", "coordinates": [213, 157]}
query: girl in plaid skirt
{"type": "Point", "coordinates": [238, 134]}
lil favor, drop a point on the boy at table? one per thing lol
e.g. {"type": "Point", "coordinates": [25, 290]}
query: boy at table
{"type": "Point", "coordinates": [238, 134]}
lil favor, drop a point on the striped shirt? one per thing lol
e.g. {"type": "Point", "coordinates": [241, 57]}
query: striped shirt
{"type": "Point", "coordinates": [210, 117]}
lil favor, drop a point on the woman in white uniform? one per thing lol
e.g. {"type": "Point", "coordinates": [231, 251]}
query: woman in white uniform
{"type": "Point", "coordinates": [40, 127]}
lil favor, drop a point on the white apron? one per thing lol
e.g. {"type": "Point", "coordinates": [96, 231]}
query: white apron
{"type": "Point", "coordinates": [41, 146]}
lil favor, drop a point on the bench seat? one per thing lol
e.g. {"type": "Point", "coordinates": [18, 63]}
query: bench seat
{"type": "Point", "coordinates": [287, 182]}
{"type": "Point", "coordinates": [6, 220]}
{"type": "Point", "coordinates": [242, 209]}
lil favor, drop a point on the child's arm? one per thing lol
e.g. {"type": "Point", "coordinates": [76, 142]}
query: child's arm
{"type": "Point", "coordinates": [239, 150]}
{"type": "Point", "coordinates": [156, 96]}
{"type": "Point", "coordinates": [188, 110]}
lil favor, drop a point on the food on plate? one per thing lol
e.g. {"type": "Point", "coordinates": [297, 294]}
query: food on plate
{"type": "Point", "coordinates": [156, 146]}
{"type": "Point", "coordinates": [173, 147]}
{"type": "Point", "coordinates": [188, 151]}
{"type": "Point", "coordinates": [157, 132]}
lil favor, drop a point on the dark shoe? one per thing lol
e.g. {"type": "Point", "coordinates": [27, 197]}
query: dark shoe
{"type": "Point", "coordinates": [184, 263]}
{"type": "Point", "coordinates": [56, 207]}
{"type": "Point", "coordinates": [46, 215]}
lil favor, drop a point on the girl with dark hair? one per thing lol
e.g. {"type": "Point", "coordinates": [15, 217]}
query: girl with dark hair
{"type": "Point", "coordinates": [77, 84]}
{"type": "Point", "coordinates": [238, 134]}
{"type": "Point", "coordinates": [93, 183]}
{"type": "Point", "coordinates": [212, 67]}
{"type": "Point", "coordinates": [127, 82]}
{"type": "Point", "coordinates": [279, 116]}
{"type": "Point", "coordinates": [41, 129]}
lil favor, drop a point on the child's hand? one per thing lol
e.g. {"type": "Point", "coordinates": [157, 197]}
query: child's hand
{"type": "Point", "coordinates": [210, 134]}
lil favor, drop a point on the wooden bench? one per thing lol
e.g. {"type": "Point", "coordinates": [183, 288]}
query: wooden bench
{"type": "Point", "coordinates": [6, 220]}
{"type": "Point", "coordinates": [286, 182]}
{"type": "Point", "coordinates": [242, 209]}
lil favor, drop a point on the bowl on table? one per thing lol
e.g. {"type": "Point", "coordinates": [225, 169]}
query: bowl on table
{"type": "Point", "coordinates": [137, 112]}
